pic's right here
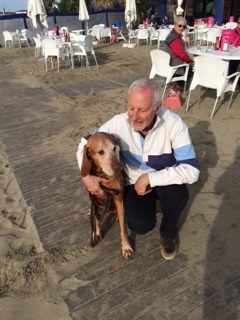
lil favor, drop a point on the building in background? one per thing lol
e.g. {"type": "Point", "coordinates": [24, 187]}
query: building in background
{"type": "Point", "coordinates": [221, 10]}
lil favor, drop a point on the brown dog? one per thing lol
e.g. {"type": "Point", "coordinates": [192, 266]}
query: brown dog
{"type": "Point", "coordinates": [99, 159]}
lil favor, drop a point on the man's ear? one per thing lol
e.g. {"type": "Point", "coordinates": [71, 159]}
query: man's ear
{"type": "Point", "coordinates": [86, 163]}
{"type": "Point", "coordinates": [158, 108]}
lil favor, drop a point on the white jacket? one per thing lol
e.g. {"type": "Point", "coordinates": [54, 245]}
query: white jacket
{"type": "Point", "coordinates": [166, 153]}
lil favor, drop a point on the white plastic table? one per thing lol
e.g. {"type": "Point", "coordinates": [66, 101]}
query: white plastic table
{"type": "Point", "coordinates": [101, 32]}
{"type": "Point", "coordinates": [78, 32]}
{"type": "Point", "coordinates": [234, 54]}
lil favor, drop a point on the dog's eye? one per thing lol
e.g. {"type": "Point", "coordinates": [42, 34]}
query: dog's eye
{"type": "Point", "coordinates": [101, 152]}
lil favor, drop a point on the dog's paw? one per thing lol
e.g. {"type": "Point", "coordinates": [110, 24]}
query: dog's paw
{"type": "Point", "coordinates": [95, 239]}
{"type": "Point", "coordinates": [127, 253]}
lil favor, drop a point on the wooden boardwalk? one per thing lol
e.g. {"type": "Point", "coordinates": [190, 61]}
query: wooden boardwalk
{"type": "Point", "coordinates": [109, 287]}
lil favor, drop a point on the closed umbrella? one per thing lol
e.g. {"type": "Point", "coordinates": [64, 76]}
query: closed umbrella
{"type": "Point", "coordinates": [83, 12]}
{"type": "Point", "coordinates": [36, 11]}
{"type": "Point", "coordinates": [130, 12]}
{"type": "Point", "coordinates": [179, 9]}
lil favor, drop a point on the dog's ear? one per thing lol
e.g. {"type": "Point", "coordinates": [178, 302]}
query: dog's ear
{"type": "Point", "coordinates": [113, 138]}
{"type": "Point", "coordinates": [86, 164]}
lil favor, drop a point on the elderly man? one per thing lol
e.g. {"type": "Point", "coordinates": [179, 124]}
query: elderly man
{"type": "Point", "coordinates": [158, 161]}
{"type": "Point", "coordinates": [174, 45]}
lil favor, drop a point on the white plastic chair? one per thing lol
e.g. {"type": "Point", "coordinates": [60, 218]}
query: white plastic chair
{"type": "Point", "coordinates": [54, 50]}
{"type": "Point", "coordinates": [26, 34]}
{"type": "Point", "coordinates": [120, 35]}
{"type": "Point", "coordinates": [163, 33]}
{"type": "Point", "coordinates": [185, 37]}
{"type": "Point", "coordinates": [10, 39]}
{"type": "Point", "coordinates": [22, 38]}
{"type": "Point", "coordinates": [89, 47]}
{"type": "Point", "coordinates": [190, 32]}
{"type": "Point", "coordinates": [80, 38]}
{"type": "Point", "coordinates": [200, 34]}
{"type": "Point", "coordinates": [210, 72]}
{"type": "Point", "coordinates": [79, 50]}
{"type": "Point", "coordinates": [38, 46]}
{"type": "Point", "coordinates": [161, 67]}
{"type": "Point", "coordinates": [73, 36]}
{"type": "Point", "coordinates": [231, 25]}
{"type": "Point", "coordinates": [154, 36]}
{"type": "Point", "coordinates": [63, 28]}
{"type": "Point", "coordinates": [132, 36]}
{"type": "Point", "coordinates": [142, 35]}
{"type": "Point", "coordinates": [212, 34]}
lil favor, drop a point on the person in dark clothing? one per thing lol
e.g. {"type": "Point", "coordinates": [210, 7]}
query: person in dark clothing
{"type": "Point", "coordinates": [165, 21]}
{"type": "Point", "coordinates": [153, 21]}
{"type": "Point", "coordinates": [174, 45]}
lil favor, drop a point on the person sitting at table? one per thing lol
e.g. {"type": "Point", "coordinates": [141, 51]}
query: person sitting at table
{"type": "Point", "coordinates": [174, 45]}
{"type": "Point", "coordinates": [233, 64]}
{"type": "Point", "coordinates": [153, 21]}
{"type": "Point", "coordinates": [165, 21]}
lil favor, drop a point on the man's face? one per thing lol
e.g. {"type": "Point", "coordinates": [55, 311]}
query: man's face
{"type": "Point", "coordinates": [180, 26]}
{"type": "Point", "coordinates": [141, 112]}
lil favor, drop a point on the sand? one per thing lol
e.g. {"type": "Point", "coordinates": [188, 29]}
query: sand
{"type": "Point", "coordinates": [27, 271]}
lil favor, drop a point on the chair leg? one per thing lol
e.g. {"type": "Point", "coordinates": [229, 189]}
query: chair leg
{"type": "Point", "coordinates": [87, 62]}
{"type": "Point", "coordinates": [95, 60]}
{"type": "Point", "coordinates": [184, 89]}
{"type": "Point", "coordinates": [214, 107]}
{"type": "Point", "coordinates": [46, 64]}
{"type": "Point", "coordinates": [230, 101]}
{"type": "Point", "coordinates": [164, 91]}
{"type": "Point", "coordinates": [188, 100]}
{"type": "Point", "coordinates": [200, 94]}
{"type": "Point", "coordinates": [52, 62]}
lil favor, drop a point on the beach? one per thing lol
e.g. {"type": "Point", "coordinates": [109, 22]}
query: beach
{"type": "Point", "coordinates": [34, 282]}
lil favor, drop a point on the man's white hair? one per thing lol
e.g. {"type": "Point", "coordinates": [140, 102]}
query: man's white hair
{"type": "Point", "coordinates": [141, 84]}
{"type": "Point", "coordinates": [178, 19]}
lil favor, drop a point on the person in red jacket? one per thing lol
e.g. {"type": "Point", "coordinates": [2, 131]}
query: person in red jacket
{"type": "Point", "coordinates": [174, 45]}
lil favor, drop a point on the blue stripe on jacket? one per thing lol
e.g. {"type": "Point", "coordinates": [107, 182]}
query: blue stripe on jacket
{"type": "Point", "coordinates": [184, 154]}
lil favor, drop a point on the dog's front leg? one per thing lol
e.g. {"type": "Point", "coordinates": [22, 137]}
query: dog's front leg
{"type": "Point", "coordinates": [127, 250]}
{"type": "Point", "coordinates": [96, 236]}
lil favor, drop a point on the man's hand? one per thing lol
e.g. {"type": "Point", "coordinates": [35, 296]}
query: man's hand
{"type": "Point", "coordinates": [92, 184]}
{"type": "Point", "coordinates": [142, 185]}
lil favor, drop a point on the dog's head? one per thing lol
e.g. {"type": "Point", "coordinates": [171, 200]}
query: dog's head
{"type": "Point", "coordinates": [99, 156]}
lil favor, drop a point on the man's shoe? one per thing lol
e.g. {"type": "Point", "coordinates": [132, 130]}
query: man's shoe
{"type": "Point", "coordinates": [168, 248]}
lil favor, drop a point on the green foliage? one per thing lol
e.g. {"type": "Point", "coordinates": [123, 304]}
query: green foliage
{"type": "Point", "coordinates": [143, 9]}
{"type": "Point", "coordinates": [69, 6]}
{"type": "Point", "coordinates": [72, 6]}
{"type": "Point", "coordinates": [47, 5]}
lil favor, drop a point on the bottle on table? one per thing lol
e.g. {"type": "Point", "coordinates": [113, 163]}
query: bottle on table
{"type": "Point", "coordinates": [217, 43]}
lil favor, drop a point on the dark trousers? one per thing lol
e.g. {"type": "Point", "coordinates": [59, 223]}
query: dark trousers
{"type": "Point", "coordinates": [141, 210]}
{"type": "Point", "coordinates": [233, 66]}
{"type": "Point", "coordinates": [189, 77]}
